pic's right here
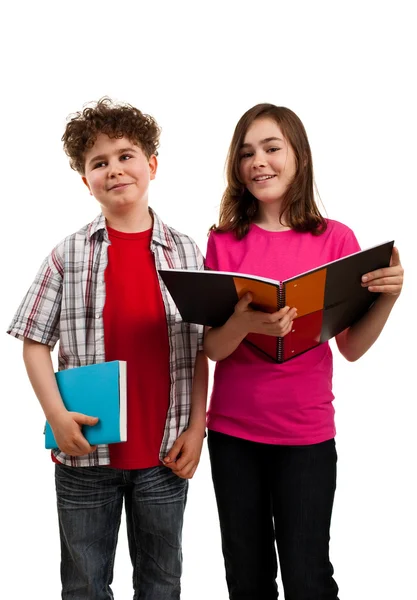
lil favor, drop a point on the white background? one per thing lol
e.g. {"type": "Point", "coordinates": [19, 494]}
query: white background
{"type": "Point", "coordinates": [347, 69]}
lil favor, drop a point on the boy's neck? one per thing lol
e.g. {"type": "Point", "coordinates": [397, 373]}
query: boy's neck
{"type": "Point", "coordinates": [131, 222]}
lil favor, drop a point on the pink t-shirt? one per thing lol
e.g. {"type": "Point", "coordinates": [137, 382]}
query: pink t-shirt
{"type": "Point", "coordinates": [254, 398]}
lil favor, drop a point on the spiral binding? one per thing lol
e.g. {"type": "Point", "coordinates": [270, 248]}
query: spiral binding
{"type": "Point", "coordinates": [281, 303]}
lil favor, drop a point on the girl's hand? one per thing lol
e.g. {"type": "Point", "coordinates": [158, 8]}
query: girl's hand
{"type": "Point", "coordinates": [277, 324]}
{"type": "Point", "coordinates": [388, 281]}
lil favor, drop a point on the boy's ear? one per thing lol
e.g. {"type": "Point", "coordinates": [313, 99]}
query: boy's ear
{"type": "Point", "coordinates": [153, 166]}
{"type": "Point", "coordinates": [87, 184]}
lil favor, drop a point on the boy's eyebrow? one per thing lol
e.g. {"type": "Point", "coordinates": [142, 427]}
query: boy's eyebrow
{"type": "Point", "coordinates": [265, 141]}
{"type": "Point", "coordinates": [103, 156]}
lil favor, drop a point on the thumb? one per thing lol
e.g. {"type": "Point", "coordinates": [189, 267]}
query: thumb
{"type": "Point", "coordinates": [84, 419]}
{"type": "Point", "coordinates": [395, 258]}
{"type": "Point", "coordinates": [244, 301]}
{"type": "Point", "coordinates": [173, 453]}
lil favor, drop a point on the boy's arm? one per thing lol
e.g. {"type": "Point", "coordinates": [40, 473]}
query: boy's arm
{"type": "Point", "coordinates": [356, 340]}
{"type": "Point", "coordinates": [184, 456]}
{"type": "Point", "coordinates": [65, 425]}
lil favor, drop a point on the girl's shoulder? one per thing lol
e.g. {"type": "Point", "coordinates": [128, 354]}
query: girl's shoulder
{"type": "Point", "coordinates": [336, 227]}
{"type": "Point", "coordinates": [222, 238]}
{"type": "Point", "coordinates": [341, 238]}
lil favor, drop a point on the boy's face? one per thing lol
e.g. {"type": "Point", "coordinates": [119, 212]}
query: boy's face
{"type": "Point", "coordinates": [117, 173]}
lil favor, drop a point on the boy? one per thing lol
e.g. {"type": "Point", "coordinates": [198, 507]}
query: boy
{"type": "Point", "coordinates": [100, 295]}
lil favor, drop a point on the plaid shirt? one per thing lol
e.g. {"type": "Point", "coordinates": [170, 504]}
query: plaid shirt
{"type": "Point", "coordinates": [66, 302]}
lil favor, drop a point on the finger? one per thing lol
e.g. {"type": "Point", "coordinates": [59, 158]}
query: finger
{"type": "Point", "coordinates": [76, 449]}
{"type": "Point", "coordinates": [287, 321]}
{"type": "Point", "coordinates": [244, 302]}
{"type": "Point", "coordinates": [386, 289]}
{"type": "Point", "coordinates": [279, 314]}
{"type": "Point", "coordinates": [82, 445]}
{"type": "Point", "coordinates": [392, 271]}
{"type": "Point", "coordinates": [188, 471]}
{"type": "Point", "coordinates": [288, 329]}
{"type": "Point", "coordinates": [84, 419]}
{"type": "Point", "coordinates": [183, 462]}
{"type": "Point", "coordinates": [393, 280]}
{"type": "Point", "coordinates": [172, 465]}
{"type": "Point", "coordinates": [395, 258]}
{"type": "Point", "coordinates": [173, 453]}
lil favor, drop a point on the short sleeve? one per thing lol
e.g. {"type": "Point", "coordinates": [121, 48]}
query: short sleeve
{"type": "Point", "coordinates": [349, 244]}
{"type": "Point", "coordinates": [37, 317]}
{"type": "Point", "coordinates": [211, 261]}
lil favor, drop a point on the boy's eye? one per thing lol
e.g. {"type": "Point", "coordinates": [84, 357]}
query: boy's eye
{"type": "Point", "coordinates": [125, 157]}
{"type": "Point", "coordinates": [99, 164]}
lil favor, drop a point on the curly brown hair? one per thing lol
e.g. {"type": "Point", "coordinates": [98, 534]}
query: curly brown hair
{"type": "Point", "coordinates": [239, 207]}
{"type": "Point", "coordinates": [115, 120]}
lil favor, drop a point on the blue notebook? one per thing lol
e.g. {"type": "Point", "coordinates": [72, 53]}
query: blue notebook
{"type": "Point", "coordinates": [99, 391]}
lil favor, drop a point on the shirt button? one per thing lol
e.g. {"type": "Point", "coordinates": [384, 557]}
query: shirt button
{"type": "Point", "coordinates": [98, 315]}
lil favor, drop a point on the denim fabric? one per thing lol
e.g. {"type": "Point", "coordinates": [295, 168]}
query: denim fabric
{"type": "Point", "coordinates": [90, 501]}
{"type": "Point", "coordinates": [269, 494]}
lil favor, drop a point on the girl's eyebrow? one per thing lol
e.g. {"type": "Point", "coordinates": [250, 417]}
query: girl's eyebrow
{"type": "Point", "coordinates": [266, 140]}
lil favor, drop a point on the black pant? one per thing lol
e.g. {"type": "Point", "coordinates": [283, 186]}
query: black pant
{"type": "Point", "coordinates": [267, 493]}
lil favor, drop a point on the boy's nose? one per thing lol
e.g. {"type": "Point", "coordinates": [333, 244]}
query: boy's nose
{"type": "Point", "coordinates": [115, 169]}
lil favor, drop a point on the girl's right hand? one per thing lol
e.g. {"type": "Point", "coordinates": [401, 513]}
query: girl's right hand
{"type": "Point", "coordinates": [66, 427]}
{"type": "Point", "coordinates": [248, 320]}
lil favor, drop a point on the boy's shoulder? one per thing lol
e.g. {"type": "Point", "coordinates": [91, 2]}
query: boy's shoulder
{"type": "Point", "coordinates": [85, 232]}
{"type": "Point", "coordinates": [169, 236]}
{"type": "Point", "coordinates": [70, 247]}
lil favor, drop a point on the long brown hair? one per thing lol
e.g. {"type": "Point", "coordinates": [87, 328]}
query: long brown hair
{"type": "Point", "coordinates": [239, 207]}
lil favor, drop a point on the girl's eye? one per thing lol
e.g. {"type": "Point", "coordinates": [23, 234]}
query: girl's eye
{"type": "Point", "coordinates": [273, 149]}
{"type": "Point", "coordinates": [246, 155]}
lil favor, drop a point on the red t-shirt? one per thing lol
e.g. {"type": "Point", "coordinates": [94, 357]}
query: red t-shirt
{"type": "Point", "coordinates": [135, 330]}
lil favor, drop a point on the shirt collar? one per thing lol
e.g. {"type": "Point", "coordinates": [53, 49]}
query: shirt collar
{"type": "Point", "coordinates": [160, 232]}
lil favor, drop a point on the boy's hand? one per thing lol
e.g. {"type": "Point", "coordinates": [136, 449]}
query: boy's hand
{"type": "Point", "coordinates": [277, 324]}
{"type": "Point", "coordinates": [67, 431]}
{"type": "Point", "coordinates": [388, 281]}
{"type": "Point", "coordinates": [184, 456]}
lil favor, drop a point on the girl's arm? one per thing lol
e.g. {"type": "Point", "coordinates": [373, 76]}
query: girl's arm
{"type": "Point", "coordinates": [356, 340]}
{"type": "Point", "coordinates": [220, 342]}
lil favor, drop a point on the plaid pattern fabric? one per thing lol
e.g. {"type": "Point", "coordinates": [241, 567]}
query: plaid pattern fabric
{"type": "Point", "coordinates": [66, 300]}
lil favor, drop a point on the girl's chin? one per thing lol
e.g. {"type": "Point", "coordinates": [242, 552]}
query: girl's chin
{"type": "Point", "coordinates": [268, 199]}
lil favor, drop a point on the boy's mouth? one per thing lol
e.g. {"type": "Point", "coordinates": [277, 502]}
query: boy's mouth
{"type": "Point", "coordinates": [118, 186]}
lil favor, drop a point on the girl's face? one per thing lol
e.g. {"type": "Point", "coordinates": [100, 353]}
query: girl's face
{"type": "Point", "coordinates": [267, 161]}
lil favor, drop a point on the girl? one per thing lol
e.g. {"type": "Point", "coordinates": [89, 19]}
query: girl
{"type": "Point", "coordinates": [271, 426]}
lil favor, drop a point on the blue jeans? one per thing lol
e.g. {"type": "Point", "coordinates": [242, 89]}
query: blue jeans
{"type": "Point", "coordinates": [269, 495]}
{"type": "Point", "coordinates": [90, 501]}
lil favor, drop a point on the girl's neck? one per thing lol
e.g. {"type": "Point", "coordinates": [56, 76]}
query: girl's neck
{"type": "Point", "coordinates": [268, 218]}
